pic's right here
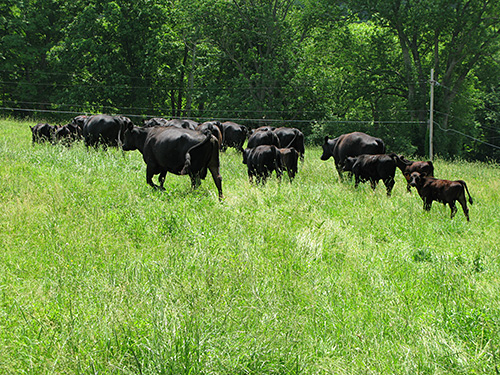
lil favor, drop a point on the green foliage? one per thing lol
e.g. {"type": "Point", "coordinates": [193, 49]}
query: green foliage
{"type": "Point", "coordinates": [100, 273]}
{"type": "Point", "coordinates": [352, 66]}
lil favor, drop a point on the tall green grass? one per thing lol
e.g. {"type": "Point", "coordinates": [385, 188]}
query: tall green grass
{"type": "Point", "coordinates": [101, 274]}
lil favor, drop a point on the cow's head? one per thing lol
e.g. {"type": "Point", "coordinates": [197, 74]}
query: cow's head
{"type": "Point", "coordinates": [328, 147]}
{"type": "Point", "coordinates": [79, 121]}
{"type": "Point", "coordinates": [414, 178]}
{"type": "Point", "coordinates": [131, 138]}
{"type": "Point", "coordinates": [246, 152]}
{"type": "Point", "coordinates": [349, 164]}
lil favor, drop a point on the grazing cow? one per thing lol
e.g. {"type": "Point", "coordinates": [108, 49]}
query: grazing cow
{"type": "Point", "coordinates": [233, 135]}
{"type": "Point", "coordinates": [105, 130]}
{"type": "Point", "coordinates": [289, 161]}
{"type": "Point", "coordinates": [351, 144]}
{"type": "Point", "coordinates": [444, 191]}
{"type": "Point", "coordinates": [291, 137]}
{"type": "Point", "coordinates": [155, 121]}
{"type": "Point", "coordinates": [372, 168]}
{"type": "Point", "coordinates": [79, 121]}
{"type": "Point", "coordinates": [265, 137]}
{"type": "Point", "coordinates": [407, 167]}
{"type": "Point", "coordinates": [68, 133]}
{"type": "Point", "coordinates": [182, 123]}
{"type": "Point", "coordinates": [261, 161]}
{"type": "Point", "coordinates": [175, 150]}
{"type": "Point", "coordinates": [262, 129]}
{"type": "Point", "coordinates": [43, 133]}
{"type": "Point", "coordinates": [214, 128]}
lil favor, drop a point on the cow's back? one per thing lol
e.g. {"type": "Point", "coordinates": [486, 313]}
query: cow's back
{"type": "Point", "coordinates": [357, 143]}
{"type": "Point", "coordinates": [167, 147]}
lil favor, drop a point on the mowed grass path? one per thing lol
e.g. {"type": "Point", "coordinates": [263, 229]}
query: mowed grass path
{"type": "Point", "coordinates": [99, 273]}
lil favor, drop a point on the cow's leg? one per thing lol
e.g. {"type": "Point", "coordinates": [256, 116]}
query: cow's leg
{"type": "Point", "coordinates": [264, 177]}
{"type": "Point", "coordinates": [161, 179]}
{"type": "Point", "coordinates": [250, 175]}
{"type": "Point", "coordinates": [339, 170]}
{"type": "Point", "coordinates": [453, 208]}
{"type": "Point", "coordinates": [217, 180]}
{"type": "Point", "coordinates": [427, 205]}
{"type": "Point", "coordinates": [150, 172]}
{"type": "Point", "coordinates": [279, 173]}
{"type": "Point", "coordinates": [389, 184]}
{"type": "Point", "coordinates": [195, 181]}
{"type": "Point", "coordinates": [356, 181]}
{"type": "Point", "coordinates": [463, 203]}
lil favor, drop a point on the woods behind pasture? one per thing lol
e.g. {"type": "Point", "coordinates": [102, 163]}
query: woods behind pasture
{"type": "Point", "coordinates": [101, 273]}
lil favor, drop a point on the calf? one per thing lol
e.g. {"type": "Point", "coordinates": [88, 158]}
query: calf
{"type": "Point", "coordinates": [289, 161]}
{"type": "Point", "coordinates": [262, 161]}
{"type": "Point", "coordinates": [407, 167]}
{"type": "Point", "coordinates": [43, 133]}
{"type": "Point", "coordinates": [432, 189]}
{"type": "Point", "coordinates": [372, 168]}
{"type": "Point", "coordinates": [68, 134]}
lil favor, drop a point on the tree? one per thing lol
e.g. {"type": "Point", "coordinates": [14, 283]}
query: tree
{"type": "Point", "coordinates": [449, 36]}
{"type": "Point", "coordinates": [257, 61]}
{"type": "Point", "coordinates": [28, 31]}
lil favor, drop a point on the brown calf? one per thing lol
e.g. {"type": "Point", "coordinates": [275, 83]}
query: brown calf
{"type": "Point", "coordinates": [432, 189]}
{"type": "Point", "coordinates": [407, 167]}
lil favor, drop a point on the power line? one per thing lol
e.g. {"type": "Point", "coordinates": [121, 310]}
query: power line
{"type": "Point", "coordinates": [208, 118]}
{"type": "Point", "coordinates": [266, 121]}
{"type": "Point", "coordinates": [466, 135]}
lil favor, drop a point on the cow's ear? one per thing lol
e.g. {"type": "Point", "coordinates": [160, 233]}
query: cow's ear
{"type": "Point", "coordinates": [326, 139]}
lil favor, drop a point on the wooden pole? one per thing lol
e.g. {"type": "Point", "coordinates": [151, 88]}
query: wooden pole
{"type": "Point", "coordinates": [431, 118]}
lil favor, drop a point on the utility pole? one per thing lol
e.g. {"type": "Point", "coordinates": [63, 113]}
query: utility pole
{"type": "Point", "coordinates": [431, 118]}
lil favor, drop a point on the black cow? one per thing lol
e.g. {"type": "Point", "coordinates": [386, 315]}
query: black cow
{"type": "Point", "coordinates": [261, 161]}
{"type": "Point", "coordinates": [79, 121]}
{"type": "Point", "coordinates": [68, 133]}
{"type": "Point", "coordinates": [175, 150]}
{"type": "Point", "coordinates": [267, 137]}
{"type": "Point", "coordinates": [351, 144]}
{"type": "Point", "coordinates": [262, 129]}
{"type": "Point", "coordinates": [444, 191]}
{"type": "Point", "coordinates": [43, 133]}
{"type": "Point", "coordinates": [212, 127]}
{"type": "Point", "coordinates": [183, 123]}
{"type": "Point", "coordinates": [105, 130]}
{"type": "Point", "coordinates": [233, 135]}
{"type": "Point", "coordinates": [372, 168]}
{"type": "Point", "coordinates": [291, 137]}
{"type": "Point", "coordinates": [155, 121]}
{"type": "Point", "coordinates": [289, 161]}
{"type": "Point", "coordinates": [407, 167]}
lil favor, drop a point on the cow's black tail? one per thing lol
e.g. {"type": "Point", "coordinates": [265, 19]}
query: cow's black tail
{"type": "Point", "coordinates": [466, 189]}
{"type": "Point", "coordinates": [187, 163]}
{"type": "Point", "coordinates": [293, 140]}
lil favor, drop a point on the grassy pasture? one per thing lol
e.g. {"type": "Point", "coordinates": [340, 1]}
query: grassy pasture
{"type": "Point", "coordinates": [99, 273]}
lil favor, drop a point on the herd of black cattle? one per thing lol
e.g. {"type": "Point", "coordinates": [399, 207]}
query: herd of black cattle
{"type": "Point", "coordinates": [184, 147]}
